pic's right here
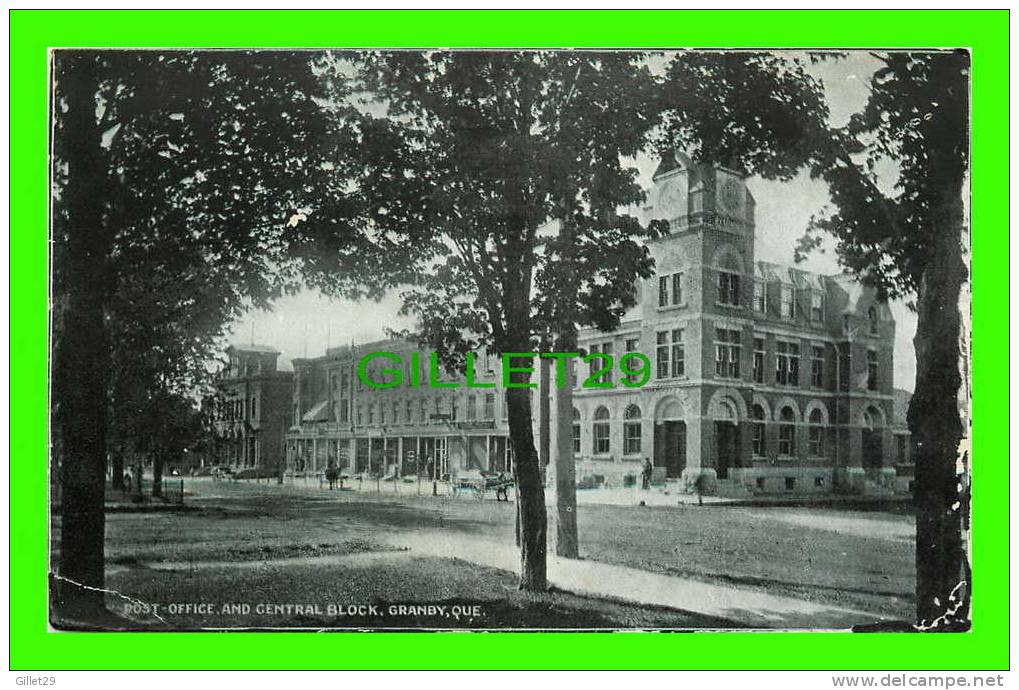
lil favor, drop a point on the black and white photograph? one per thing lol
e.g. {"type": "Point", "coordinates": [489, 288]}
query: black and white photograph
{"type": "Point", "coordinates": [570, 339]}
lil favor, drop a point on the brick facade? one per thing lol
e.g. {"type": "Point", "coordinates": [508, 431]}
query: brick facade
{"type": "Point", "coordinates": [252, 409]}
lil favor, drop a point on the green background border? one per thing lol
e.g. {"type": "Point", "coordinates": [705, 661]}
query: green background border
{"type": "Point", "coordinates": [32, 33]}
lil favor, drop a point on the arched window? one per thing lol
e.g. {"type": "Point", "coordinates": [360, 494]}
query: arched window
{"type": "Point", "coordinates": [786, 431]}
{"type": "Point", "coordinates": [600, 429]}
{"type": "Point", "coordinates": [576, 431]}
{"type": "Point", "coordinates": [631, 430]}
{"type": "Point", "coordinates": [815, 433]}
{"type": "Point", "coordinates": [757, 412]}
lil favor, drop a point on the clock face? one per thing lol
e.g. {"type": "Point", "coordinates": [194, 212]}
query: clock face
{"type": "Point", "coordinates": [671, 200]}
{"type": "Point", "coordinates": [731, 197]}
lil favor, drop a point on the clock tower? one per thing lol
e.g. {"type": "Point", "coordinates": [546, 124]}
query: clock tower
{"type": "Point", "coordinates": [710, 213]}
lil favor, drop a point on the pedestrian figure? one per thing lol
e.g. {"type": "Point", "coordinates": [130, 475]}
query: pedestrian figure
{"type": "Point", "coordinates": [331, 476]}
{"type": "Point", "coordinates": [645, 475]}
{"type": "Point", "coordinates": [699, 485]}
{"type": "Point", "coordinates": [502, 488]}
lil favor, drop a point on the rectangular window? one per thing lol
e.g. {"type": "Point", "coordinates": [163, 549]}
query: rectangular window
{"type": "Point", "coordinates": [344, 412]}
{"type": "Point", "coordinates": [787, 364]}
{"type": "Point", "coordinates": [760, 296]}
{"type": "Point", "coordinates": [786, 438]}
{"type": "Point", "coordinates": [599, 363]}
{"type": "Point", "coordinates": [845, 361]}
{"type": "Point", "coordinates": [872, 370]}
{"type": "Point", "coordinates": [758, 360]}
{"type": "Point", "coordinates": [900, 450]}
{"type": "Point", "coordinates": [816, 307]}
{"type": "Point", "coordinates": [631, 438]}
{"type": "Point", "coordinates": [662, 354]}
{"type": "Point", "coordinates": [576, 438]}
{"type": "Point", "coordinates": [472, 408]}
{"type": "Point", "coordinates": [663, 291]}
{"type": "Point", "coordinates": [678, 353]}
{"type": "Point", "coordinates": [758, 439]}
{"type": "Point", "coordinates": [817, 366]}
{"type": "Point", "coordinates": [728, 288]}
{"type": "Point", "coordinates": [382, 413]}
{"type": "Point", "coordinates": [371, 415]}
{"type": "Point", "coordinates": [815, 441]}
{"type": "Point", "coordinates": [632, 345]}
{"type": "Point", "coordinates": [601, 438]}
{"type": "Point", "coordinates": [489, 406]}
{"type": "Point", "coordinates": [606, 348]}
{"type": "Point", "coordinates": [670, 350]}
{"type": "Point", "coordinates": [677, 288]}
{"type": "Point", "coordinates": [727, 353]}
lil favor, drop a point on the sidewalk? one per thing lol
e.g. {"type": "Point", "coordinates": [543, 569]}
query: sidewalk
{"type": "Point", "coordinates": [746, 606]}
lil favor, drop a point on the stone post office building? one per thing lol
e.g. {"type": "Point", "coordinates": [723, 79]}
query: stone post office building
{"type": "Point", "coordinates": [765, 378]}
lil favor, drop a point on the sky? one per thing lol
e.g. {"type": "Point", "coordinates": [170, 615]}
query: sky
{"type": "Point", "coordinates": [305, 324]}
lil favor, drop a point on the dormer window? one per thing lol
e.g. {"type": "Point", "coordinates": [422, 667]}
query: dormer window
{"type": "Point", "coordinates": [760, 296]}
{"type": "Point", "coordinates": [788, 304]}
{"type": "Point", "coordinates": [816, 307]}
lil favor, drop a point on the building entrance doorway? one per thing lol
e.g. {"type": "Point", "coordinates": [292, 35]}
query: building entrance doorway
{"type": "Point", "coordinates": [727, 448]}
{"type": "Point", "coordinates": [670, 447]}
{"type": "Point", "coordinates": [872, 451]}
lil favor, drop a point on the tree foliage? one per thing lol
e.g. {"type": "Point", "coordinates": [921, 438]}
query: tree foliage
{"type": "Point", "coordinates": [916, 125]}
{"type": "Point", "coordinates": [177, 177]}
{"type": "Point", "coordinates": [759, 113]}
{"type": "Point", "coordinates": [907, 240]}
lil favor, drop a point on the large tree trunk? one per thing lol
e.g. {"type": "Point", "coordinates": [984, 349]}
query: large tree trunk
{"type": "Point", "coordinates": [158, 461]}
{"type": "Point", "coordinates": [567, 542]}
{"type": "Point", "coordinates": [942, 591]}
{"type": "Point", "coordinates": [530, 493]}
{"type": "Point", "coordinates": [81, 352]}
{"type": "Point", "coordinates": [117, 461]}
